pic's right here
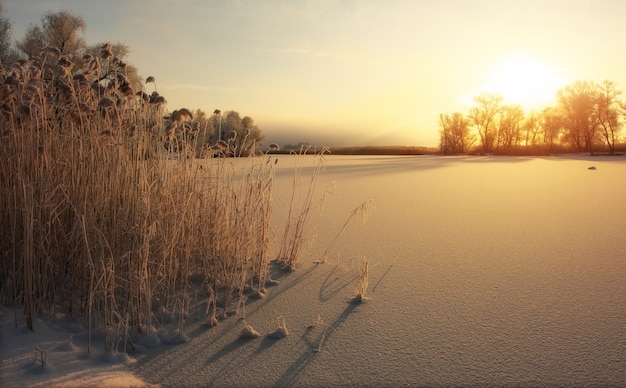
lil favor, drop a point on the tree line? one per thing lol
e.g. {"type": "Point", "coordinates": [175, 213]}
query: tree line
{"type": "Point", "coordinates": [587, 117]}
{"type": "Point", "coordinates": [57, 43]}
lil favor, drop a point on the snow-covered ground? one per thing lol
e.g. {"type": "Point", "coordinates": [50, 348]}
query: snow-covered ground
{"type": "Point", "coordinates": [482, 271]}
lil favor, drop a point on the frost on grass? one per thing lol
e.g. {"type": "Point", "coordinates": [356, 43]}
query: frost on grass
{"type": "Point", "coordinates": [248, 332]}
{"type": "Point", "coordinates": [281, 331]}
{"type": "Point", "coordinates": [362, 285]}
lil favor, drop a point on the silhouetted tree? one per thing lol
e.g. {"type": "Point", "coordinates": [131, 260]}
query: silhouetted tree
{"type": "Point", "coordinates": [577, 102]}
{"type": "Point", "coordinates": [531, 128]}
{"type": "Point", "coordinates": [552, 126]}
{"type": "Point", "coordinates": [455, 133]}
{"type": "Point", "coordinates": [484, 118]}
{"type": "Point", "coordinates": [509, 126]}
{"type": "Point", "coordinates": [608, 111]}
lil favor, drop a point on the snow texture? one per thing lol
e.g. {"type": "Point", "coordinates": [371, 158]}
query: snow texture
{"type": "Point", "coordinates": [482, 271]}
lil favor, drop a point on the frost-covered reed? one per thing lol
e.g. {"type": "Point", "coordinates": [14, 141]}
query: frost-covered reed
{"type": "Point", "coordinates": [100, 216]}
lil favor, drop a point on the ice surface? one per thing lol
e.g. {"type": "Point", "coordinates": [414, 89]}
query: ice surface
{"type": "Point", "coordinates": [483, 271]}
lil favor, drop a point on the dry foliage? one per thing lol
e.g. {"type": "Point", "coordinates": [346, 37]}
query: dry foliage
{"type": "Point", "coordinates": [362, 284]}
{"type": "Point", "coordinates": [106, 214]}
{"type": "Point", "coordinates": [104, 211]}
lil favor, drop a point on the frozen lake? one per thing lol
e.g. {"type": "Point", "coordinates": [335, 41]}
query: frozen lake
{"type": "Point", "coordinates": [483, 271]}
{"type": "Point", "coordinates": [486, 269]}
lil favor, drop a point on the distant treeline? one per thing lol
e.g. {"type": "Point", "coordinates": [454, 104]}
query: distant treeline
{"type": "Point", "coordinates": [587, 117]}
{"type": "Point", "coordinates": [530, 150]}
{"type": "Point", "coordinates": [384, 150]}
{"type": "Point", "coordinates": [357, 150]}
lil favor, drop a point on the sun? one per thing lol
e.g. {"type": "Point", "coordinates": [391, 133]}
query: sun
{"type": "Point", "coordinates": [523, 80]}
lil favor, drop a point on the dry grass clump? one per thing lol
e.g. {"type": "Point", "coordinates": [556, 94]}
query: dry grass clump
{"type": "Point", "coordinates": [281, 329]}
{"type": "Point", "coordinates": [107, 215]}
{"type": "Point", "coordinates": [248, 332]}
{"type": "Point", "coordinates": [100, 215]}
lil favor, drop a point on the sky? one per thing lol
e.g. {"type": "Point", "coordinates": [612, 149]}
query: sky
{"type": "Point", "coordinates": [353, 72]}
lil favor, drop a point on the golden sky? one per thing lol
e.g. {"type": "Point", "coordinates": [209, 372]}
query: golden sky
{"type": "Point", "coordinates": [353, 72]}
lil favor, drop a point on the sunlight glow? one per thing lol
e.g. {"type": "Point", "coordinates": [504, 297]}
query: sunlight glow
{"type": "Point", "coordinates": [525, 81]}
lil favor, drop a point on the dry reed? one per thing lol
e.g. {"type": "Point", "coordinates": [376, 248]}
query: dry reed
{"type": "Point", "coordinates": [99, 220]}
{"type": "Point", "coordinates": [302, 203]}
{"type": "Point", "coordinates": [105, 213]}
{"type": "Point", "coordinates": [362, 284]}
{"type": "Point", "coordinates": [361, 211]}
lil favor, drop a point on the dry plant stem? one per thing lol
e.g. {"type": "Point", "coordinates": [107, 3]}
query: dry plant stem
{"type": "Point", "coordinates": [321, 343]}
{"type": "Point", "coordinates": [41, 356]}
{"type": "Point", "coordinates": [362, 285]}
{"type": "Point", "coordinates": [363, 211]}
{"type": "Point", "coordinates": [28, 257]}
{"type": "Point", "coordinates": [319, 322]}
{"type": "Point", "coordinates": [300, 209]}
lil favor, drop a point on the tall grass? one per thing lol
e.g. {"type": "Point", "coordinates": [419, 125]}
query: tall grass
{"type": "Point", "coordinates": [101, 221]}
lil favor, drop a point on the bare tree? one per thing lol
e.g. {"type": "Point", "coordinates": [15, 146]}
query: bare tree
{"type": "Point", "coordinates": [509, 126]}
{"type": "Point", "coordinates": [578, 105]}
{"type": "Point", "coordinates": [61, 30]}
{"type": "Point", "coordinates": [8, 54]}
{"type": "Point", "coordinates": [531, 128]}
{"type": "Point", "coordinates": [455, 133]}
{"type": "Point", "coordinates": [552, 125]}
{"type": "Point", "coordinates": [608, 111]}
{"type": "Point", "coordinates": [484, 118]}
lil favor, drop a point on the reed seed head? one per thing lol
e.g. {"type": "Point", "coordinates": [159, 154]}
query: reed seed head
{"type": "Point", "coordinates": [48, 50]}
{"type": "Point", "coordinates": [181, 115]}
{"type": "Point", "coordinates": [105, 102]}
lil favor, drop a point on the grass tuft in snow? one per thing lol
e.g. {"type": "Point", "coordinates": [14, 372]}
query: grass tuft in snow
{"type": "Point", "coordinates": [281, 331]}
{"type": "Point", "coordinates": [362, 284]}
{"type": "Point", "coordinates": [248, 332]}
